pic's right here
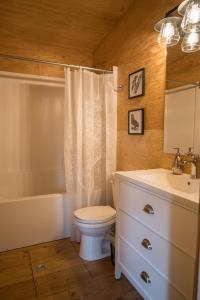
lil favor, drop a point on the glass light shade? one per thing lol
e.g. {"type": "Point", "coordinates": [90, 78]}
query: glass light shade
{"type": "Point", "coordinates": [169, 34]}
{"type": "Point", "coordinates": [191, 42]}
{"type": "Point", "coordinates": [191, 19]}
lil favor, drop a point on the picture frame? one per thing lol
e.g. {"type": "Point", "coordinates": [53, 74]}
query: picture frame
{"type": "Point", "coordinates": [136, 84]}
{"type": "Point", "coordinates": [136, 121]}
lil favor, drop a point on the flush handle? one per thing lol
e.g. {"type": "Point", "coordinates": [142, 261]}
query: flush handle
{"type": "Point", "coordinates": [145, 277]}
{"type": "Point", "coordinates": [149, 209]}
{"type": "Point", "coordinates": [146, 244]}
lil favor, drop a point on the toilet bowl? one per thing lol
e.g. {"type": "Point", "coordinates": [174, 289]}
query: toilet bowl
{"type": "Point", "coordinates": [94, 223]}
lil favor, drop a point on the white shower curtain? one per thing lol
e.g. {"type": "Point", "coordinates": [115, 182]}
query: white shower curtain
{"type": "Point", "coordinates": [90, 114]}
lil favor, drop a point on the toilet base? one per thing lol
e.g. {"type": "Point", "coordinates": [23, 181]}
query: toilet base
{"type": "Point", "coordinates": [94, 248]}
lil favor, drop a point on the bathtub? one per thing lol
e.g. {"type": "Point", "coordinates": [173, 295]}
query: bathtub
{"type": "Point", "coordinates": [32, 220]}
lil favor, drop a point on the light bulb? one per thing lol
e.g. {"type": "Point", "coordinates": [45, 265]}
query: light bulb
{"type": "Point", "coordinates": [194, 14]}
{"type": "Point", "coordinates": [193, 38]}
{"type": "Point", "coordinates": [191, 42]}
{"type": "Point", "coordinates": [191, 19]}
{"type": "Point", "coordinates": [168, 30]}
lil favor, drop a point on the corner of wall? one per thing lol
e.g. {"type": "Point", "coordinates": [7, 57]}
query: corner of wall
{"type": "Point", "coordinates": [132, 45]}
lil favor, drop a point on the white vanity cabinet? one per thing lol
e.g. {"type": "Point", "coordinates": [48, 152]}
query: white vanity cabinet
{"type": "Point", "coordinates": [155, 240]}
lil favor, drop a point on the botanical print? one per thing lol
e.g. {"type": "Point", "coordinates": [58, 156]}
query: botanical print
{"type": "Point", "coordinates": [136, 84]}
{"type": "Point", "coordinates": [136, 121]}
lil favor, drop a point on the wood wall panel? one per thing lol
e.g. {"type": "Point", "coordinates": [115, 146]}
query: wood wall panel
{"type": "Point", "coordinates": [16, 46]}
{"type": "Point", "coordinates": [63, 30]}
{"type": "Point", "coordinates": [130, 46]}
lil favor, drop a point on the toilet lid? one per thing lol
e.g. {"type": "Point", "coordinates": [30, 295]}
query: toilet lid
{"type": "Point", "coordinates": [95, 214]}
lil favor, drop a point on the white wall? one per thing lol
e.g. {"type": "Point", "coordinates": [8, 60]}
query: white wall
{"type": "Point", "coordinates": [31, 137]}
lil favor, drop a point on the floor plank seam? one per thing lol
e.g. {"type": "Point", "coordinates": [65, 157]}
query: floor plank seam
{"type": "Point", "coordinates": [31, 265]}
{"type": "Point", "coordinates": [74, 246]}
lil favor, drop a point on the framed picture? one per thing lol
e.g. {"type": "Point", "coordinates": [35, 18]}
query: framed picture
{"type": "Point", "coordinates": [136, 121]}
{"type": "Point", "coordinates": [136, 84]}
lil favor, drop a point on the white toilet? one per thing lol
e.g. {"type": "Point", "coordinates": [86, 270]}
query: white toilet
{"type": "Point", "coordinates": [94, 223]}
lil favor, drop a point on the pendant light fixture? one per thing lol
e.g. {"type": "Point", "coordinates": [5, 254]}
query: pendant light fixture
{"type": "Point", "coordinates": [172, 28]}
{"type": "Point", "coordinates": [168, 29]}
{"type": "Point", "coordinates": [190, 10]}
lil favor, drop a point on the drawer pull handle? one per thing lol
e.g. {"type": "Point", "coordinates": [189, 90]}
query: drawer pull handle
{"type": "Point", "coordinates": [146, 244]}
{"type": "Point", "coordinates": [145, 277]}
{"type": "Point", "coordinates": [149, 209]}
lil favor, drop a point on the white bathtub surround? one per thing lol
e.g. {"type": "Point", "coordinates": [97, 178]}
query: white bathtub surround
{"type": "Point", "coordinates": [31, 135]}
{"type": "Point", "coordinates": [90, 112]}
{"type": "Point", "coordinates": [33, 220]}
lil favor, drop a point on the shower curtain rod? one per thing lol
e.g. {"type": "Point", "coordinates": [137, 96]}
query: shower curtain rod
{"type": "Point", "coordinates": [40, 61]}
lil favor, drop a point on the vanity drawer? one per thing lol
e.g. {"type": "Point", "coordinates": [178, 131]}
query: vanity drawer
{"type": "Point", "coordinates": [178, 225]}
{"type": "Point", "coordinates": [174, 264]}
{"type": "Point", "coordinates": [133, 265]}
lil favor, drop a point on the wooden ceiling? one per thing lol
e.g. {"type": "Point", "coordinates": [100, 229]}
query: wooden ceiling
{"type": "Point", "coordinates": [77, 24]}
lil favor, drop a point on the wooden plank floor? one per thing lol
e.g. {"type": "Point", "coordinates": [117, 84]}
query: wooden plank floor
{"type": "Point", "coordinates": [66, 276]}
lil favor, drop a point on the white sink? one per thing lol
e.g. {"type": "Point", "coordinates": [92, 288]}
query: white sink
{"type": "Point", "coordinates": [181, 186]}
{"type": "Point", "coordinates": [180, 183]}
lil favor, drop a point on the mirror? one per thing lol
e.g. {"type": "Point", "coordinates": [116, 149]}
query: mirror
{"type": "Point", "coordinates": [182, 101]}
{"type": "Point", "coordinates": [182, 108]}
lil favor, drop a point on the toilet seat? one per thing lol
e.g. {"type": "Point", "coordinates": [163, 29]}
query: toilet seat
{"type": "Point", "coordinates": [93, 225]}
{"type": "Point", "coordinates": [95, 214]}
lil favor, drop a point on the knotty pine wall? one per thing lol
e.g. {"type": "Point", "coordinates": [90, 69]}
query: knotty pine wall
{"type": "Point", "coordinates": [42, 31]}
{"type": "Point", "coordinates": [63, 31]}
{"type": "Point", "coordinates": [132, 45]}
{"type": "Point", "coordinates": [40, 51]}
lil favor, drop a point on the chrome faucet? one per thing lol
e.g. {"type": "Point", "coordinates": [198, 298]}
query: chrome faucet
{"type": "Point", "coordinates": [178, 163]}
{"type": "Point", "coordinates": [193, 161]}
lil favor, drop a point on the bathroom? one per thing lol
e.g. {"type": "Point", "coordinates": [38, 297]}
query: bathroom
{"type": "Point", "coordinates": [95, 202]}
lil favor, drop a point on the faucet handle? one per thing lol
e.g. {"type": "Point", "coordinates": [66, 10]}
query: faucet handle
{"type": "Point", "coordinates": [190, 151]}
{"type": "Point", "coordinates": [177, 150]}
{"type": "Point", "coordinates": [177, 164]}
